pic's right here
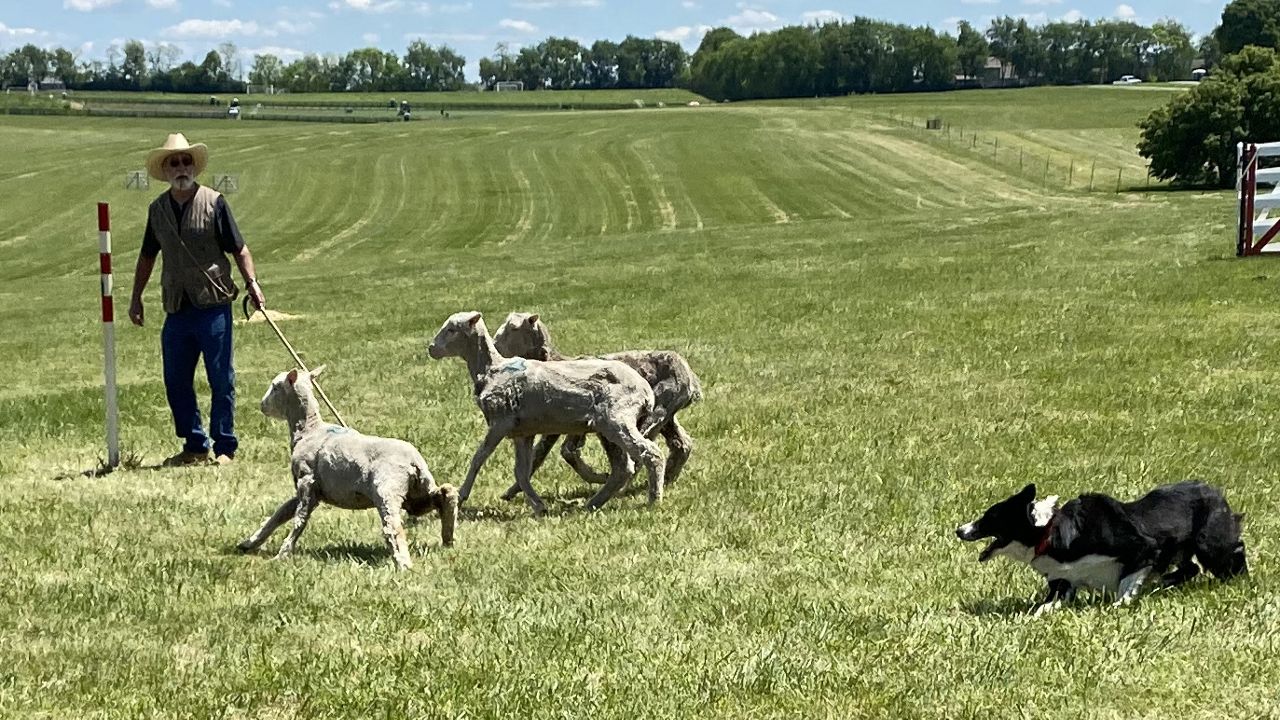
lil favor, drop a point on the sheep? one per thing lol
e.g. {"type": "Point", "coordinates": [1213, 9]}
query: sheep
{"type": "Point", "coordinates": [675, 387]}
{"type": "Point", "coordinates": [349, 470]}
{"type": "Point", "coordinates": [524, 398]}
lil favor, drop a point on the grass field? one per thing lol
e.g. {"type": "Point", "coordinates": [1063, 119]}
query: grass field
{"type": "Point", "coordinates": [892, 333]}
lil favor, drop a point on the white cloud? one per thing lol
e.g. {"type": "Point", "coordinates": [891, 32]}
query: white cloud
{"type": "Point", "coordinates": [371, 38]}
{"type": "Point", "coordinates": [979, 2]}
{"type": "Point", "coordinates": [690, 5]}
{"type": "Point", "coordinates": [87, 5]}
{"type": "Point", "coordinates": [821, 16]}
{"type": "Point", "coordinates": [1125, 12]}
{"type": "Point", "coordinates": [426, 8]}
{"type": "Point", "coordinates": [14, 33]}
{"type": "Point", "coordinates": [292, 28]}
{"type": "Point", "coordinates": [222, 3]}
{"type": "Point", "coordinates": [683, 33]}
{"type": "Point", "coordinates": [1072, 16]}
{"type": "Point", "coordinates": [752, 20]}
{"type": "Point", "coordinates": [368, 6]}
{"type": "Point", "coordinates": [523, 26]}
{"type": "Point", "coordinates": [284, 53]}
{"type": "Point", "coordinates": [1042, 2]}
{"type": "Point", "coordinates": [216, 29]}
{"type": "Point", "coordinates": [163, 4]}
{"type": "Point", "coordinates": [447, 37]}
{"type": "Point", "coordinates": [545, 4]}
{"type": "Point", "coordinates": [219, 29]}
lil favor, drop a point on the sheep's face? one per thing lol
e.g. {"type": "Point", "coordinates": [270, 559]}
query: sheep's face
{"type": "Point", "coordinates": [279, 395]}
{"type": "Point", "coordinates": [520, 335]}
{"type": "Point", "coordinates": [285, 390]}
{"type": "Point", "coordinates": [453, 339]}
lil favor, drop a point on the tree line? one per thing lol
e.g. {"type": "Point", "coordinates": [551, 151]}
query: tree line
{"type": "Point", "coordinates": [830, 58]}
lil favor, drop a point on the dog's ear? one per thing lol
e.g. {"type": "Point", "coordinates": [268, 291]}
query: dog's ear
{"type": "Point", "coordinates": [315, 372]}
{"type": "Point", "coordinates": [1028, 492]}
{"type": "Point", "coordinates": [292, 377]}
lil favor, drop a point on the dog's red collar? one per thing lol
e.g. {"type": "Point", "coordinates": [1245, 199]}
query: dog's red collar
{"type": "Point", "coordinates": [1043, 546]}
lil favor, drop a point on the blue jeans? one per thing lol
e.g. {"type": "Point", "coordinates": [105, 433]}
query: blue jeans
{"type": "Point", "coordinates": [188, 334]}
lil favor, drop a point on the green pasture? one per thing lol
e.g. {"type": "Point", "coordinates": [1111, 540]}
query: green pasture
{"type": "Point", "coordinates": [892, 331]}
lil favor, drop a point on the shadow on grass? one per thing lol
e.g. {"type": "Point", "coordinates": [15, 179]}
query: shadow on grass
{"type": "Point", "coordinates": [1003, 607]}
{"type": "Point", "coordinates": [129, 461]}
{"type": "Point", "coordinates": [573, 502]}
{"type": "Point", "coordinates": [359, 553]}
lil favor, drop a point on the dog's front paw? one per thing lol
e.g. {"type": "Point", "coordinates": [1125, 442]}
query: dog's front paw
{"type": "Point", "coordinates": [1045, 608]}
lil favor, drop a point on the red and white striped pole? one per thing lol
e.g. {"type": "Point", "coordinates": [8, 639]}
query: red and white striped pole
{"type": "Point", "coordinates": [108, 335]}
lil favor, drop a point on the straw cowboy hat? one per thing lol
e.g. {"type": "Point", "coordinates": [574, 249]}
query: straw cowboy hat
{"type": "Point", "coordinates": [176, 143]}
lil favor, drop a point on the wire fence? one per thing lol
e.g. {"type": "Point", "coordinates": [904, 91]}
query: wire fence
{"type": "Point", "coordinates": [1059, 170]}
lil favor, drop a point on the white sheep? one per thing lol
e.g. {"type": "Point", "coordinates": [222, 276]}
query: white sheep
{"type": "Point", "coordinates": [346, 469]}
{"type": "Point", "coordinates": [522, 398]}
{"type": "Point", "coordinates": [675, 387]}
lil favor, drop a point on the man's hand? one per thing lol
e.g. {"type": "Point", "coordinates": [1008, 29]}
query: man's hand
{"type": "Point", "coordinates": [135, 311]}
{"type": "Point", "coordinates": [255, 294]}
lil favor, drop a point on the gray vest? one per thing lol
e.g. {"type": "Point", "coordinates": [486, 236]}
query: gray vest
{"type": "Point", "coordinates": [194, 266]}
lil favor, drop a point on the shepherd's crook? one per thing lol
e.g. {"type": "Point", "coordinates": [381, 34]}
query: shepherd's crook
{"type": "Point", "coordinates": [296, 359]}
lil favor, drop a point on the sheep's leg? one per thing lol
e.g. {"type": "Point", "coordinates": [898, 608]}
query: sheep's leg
{"type": "Point", "coordinates": [571, 451]}
{"type": "Point", "coordinates": [679, 447]}
{"type": "Point", "coordinates": [540, 452]}
{"type": "Point", "coordinates": [619, 476]}
{"type": "Point", "coordinates": [543, 449]}
{"type": "Point", "coordinates": [282, 514]}
{"type": "Point", "coordinates": [644, 452]}
{"type": "Point", "coordinates": [307, 501]}
{"type": "Point", "coordinates": [393, 533]}
{"type": "Point", "coordinates": [487, 446]}
{"type": "Point", "coordinates": [524, 470]}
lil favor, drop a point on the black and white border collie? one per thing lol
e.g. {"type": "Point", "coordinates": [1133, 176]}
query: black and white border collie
{"type": "Point", "coordinates": [1098, 542]}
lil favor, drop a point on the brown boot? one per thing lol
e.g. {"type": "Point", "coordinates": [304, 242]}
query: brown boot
{"type": "Point", "coordinates": [224, 459]}
{"type": "Point", "coordinates": [185, 458]}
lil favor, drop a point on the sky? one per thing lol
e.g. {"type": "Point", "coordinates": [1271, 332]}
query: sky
{"type": "Point", "coordinates": [474, 28]}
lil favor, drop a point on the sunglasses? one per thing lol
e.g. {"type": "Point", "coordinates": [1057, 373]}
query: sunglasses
{"type": "Point", "coordinates": [180, 161]}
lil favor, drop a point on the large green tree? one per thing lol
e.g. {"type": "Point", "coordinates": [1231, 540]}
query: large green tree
{"type": "Point", "coordinates": [971, 50]}
{"type": "Point", "coordinates": [1192, 140]}
{"type": "Point", "coordinates": [1249, 22]}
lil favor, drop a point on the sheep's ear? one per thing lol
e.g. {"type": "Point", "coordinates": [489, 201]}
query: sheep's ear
{"type": "Point", "coordinates": [532, 320]}
{"type": "Point", "coordinates": [475, 318]}
{"type": "Point", "coordinates": [292, 377]}
{"type": "Point", "coordinates": [315, 372]}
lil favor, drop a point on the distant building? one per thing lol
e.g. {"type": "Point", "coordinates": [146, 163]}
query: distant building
{"type": "Point", "coordinates": [52, 83]}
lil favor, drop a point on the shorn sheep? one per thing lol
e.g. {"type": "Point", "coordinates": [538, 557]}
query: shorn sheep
{"type": "Point", "coordinates": [675, 387]}
{"type": "Point", "coordinates": [346, 469]}
{"type": "Point", "coordinates": [522, 398]}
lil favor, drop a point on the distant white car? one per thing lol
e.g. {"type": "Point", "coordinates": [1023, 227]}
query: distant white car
{"type": "Point", "coordinates": [1127, 80]}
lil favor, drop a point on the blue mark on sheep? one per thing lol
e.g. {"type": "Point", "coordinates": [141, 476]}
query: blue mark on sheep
{"type": "Point", "coordinates": [514, 365]}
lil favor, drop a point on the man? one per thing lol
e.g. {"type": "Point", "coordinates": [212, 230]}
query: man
{"type": "Point", "coordinates": [194, 228]}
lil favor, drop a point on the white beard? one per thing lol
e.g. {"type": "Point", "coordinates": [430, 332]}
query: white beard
{"type": "Point", "coordinates": [182, 184]}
